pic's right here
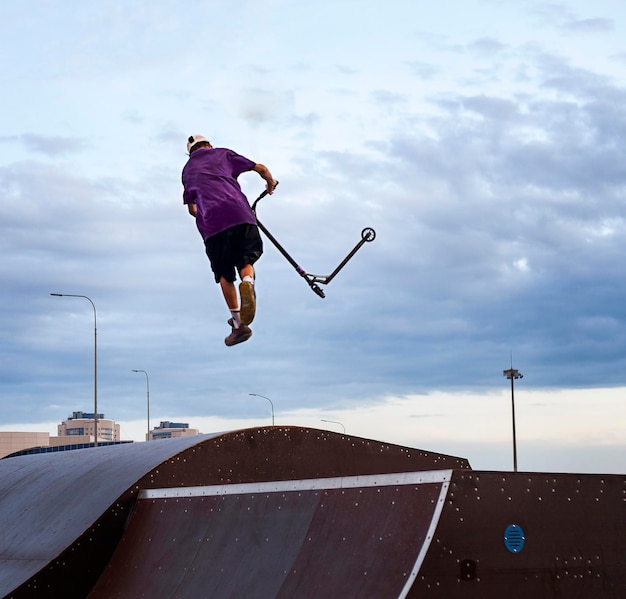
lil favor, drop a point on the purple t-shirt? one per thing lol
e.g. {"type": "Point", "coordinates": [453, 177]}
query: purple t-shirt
{"type": "Point", "coordinates": [210, 182]}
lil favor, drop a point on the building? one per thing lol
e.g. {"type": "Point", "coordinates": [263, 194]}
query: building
{"type": "Point", "coordinates": [77, 430]}
{"type": "Point", "coordinates": [168, 430]}
{"type": "Point", "coordinates": [17, 443]}
{"type": "Point", "coordinates": [81, 424]}
{"type": "Point", "coordinates": [10, 442]}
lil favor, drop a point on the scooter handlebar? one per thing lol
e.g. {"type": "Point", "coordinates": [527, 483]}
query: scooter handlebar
{"type": "Point", "coordinates": [265, 192]}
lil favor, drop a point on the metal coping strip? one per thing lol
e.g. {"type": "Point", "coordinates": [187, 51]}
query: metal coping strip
{"type": "Point", "coordinates": [434, 521]}
{"type": "Point", "coordinates": [314, 484]}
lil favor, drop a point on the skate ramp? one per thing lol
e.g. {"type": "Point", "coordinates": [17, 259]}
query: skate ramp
{"type": "Point", "coordinates": [296, 512]}
{"type": "Point", "coordinates": [441, 535]}
{"type": "Point", "coordinates": [63, 514]}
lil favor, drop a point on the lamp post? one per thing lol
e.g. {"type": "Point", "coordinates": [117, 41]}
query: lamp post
{"type": "Point", "coordinates": [512, 374]}
{"type": "Point", "coordinates": [336, 422]}
{"type": "Point", "coordinates": [268, 399]}
{"type": "Point", "coordinates": [95, 362]}
{"type": "Point", "coordinates": [148, 399]}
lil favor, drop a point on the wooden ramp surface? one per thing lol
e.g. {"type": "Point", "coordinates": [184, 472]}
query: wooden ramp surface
{"type": "Point", "coordinates": [339, 537]}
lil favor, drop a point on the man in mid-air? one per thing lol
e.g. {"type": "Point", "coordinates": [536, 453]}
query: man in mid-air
{"type": "Point", "coordinates": [227, 224]}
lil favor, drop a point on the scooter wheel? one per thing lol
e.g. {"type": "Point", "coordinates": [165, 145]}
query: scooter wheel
{"type": "Point", "coordinates": [368, 234]}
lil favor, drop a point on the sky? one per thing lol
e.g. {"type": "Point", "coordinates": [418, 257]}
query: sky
{"type": "Point", "coordinates": [483, 140]}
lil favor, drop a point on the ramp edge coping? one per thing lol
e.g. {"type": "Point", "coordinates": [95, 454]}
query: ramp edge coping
{"type": "Point", "coordinates": [430, 533]}
{"type": "Point", "coordinates": [313, 484]}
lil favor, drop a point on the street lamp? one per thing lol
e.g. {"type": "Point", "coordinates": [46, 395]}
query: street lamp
{"type": "Point", "coordinates": [512, 374]}
{"type": "Point", "coordinates": [148, 398]}
{"type": "Point", "coordinates": [336, 422]}
{"type": "Point", "coordinates": [268, 399]}
{"type": "Point", "coordinates": [95, 362]}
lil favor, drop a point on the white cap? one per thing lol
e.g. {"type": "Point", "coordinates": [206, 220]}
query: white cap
{"type": "Point", "coordinates": [192, 140]}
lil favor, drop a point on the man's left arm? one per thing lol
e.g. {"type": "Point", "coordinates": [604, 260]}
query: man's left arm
{"type": "Point", "coordinates": [264, 172]}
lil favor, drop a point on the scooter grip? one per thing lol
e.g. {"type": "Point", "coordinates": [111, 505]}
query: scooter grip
{"type": "Point", "coordinates": [265, 193]}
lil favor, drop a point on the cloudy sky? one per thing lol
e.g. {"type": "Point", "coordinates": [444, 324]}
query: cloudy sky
{"type": "Point", "coordinates": [483, 140]}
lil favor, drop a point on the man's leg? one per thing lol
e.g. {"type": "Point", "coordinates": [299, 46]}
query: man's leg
{"type": "Point", "coordinates": [247, 293]}
{"type": "Point", "coordinates": [229, 290]}
{"type": "Point", "coordinates": [240, 332]}
{"type": "Point", "coordinates": [217, 249]}
{"type": "Point", "coordinates": [230, 294]}
{"type": "Point", "coordinates": [247, 271]}
{"type": "Point", "coordinates": [232, 301]}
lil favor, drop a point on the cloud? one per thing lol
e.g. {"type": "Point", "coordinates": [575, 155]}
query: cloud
{"type": "Point", "coordinates": [594, 25]}
{"type": "Point", "coordinates": [423, 70]}
{"type": "Point", "coordinates": [526, 183]}
{"type": "Point", "coordinates": [484, 220]}
{"type": "Point", "coordinates": [260, 105]}
{"type": "Point", "coordinates": [487, 46]}
{"type": "Point", "coordinates": [50, 146]}
{"type": "Point", "coordinates": [491, 170]}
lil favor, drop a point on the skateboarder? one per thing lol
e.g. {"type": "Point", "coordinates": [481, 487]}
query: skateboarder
{"type": "Point", "coordinates": [227, 224]}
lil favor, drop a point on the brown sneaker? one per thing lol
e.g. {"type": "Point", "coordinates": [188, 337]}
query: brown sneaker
{"type": "Point", "coordinates": [243, 333]}
{"type": "Point", "coordinates": [248, 302]}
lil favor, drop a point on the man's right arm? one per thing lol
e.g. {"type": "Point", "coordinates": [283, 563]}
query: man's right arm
{"type": "Point", "coordinates": [193, 209]}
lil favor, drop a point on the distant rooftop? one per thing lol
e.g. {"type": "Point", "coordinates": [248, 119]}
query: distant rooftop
{"type": "Point", "coordinates": [168, 424]}
{"type": "Point", "coordinates": [57, 448]}
{"type": "Point", "coordinates": [84, 416]}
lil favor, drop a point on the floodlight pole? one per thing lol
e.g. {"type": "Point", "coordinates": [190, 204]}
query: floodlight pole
{"type": "Point", "coordinates": [512, 374]}
{"type": "Point", "coordinates": [268, 399]}
{"type": "Point", "coordinates": [95, 363]}
{"type": "Point", "coordinates": [148, 398]}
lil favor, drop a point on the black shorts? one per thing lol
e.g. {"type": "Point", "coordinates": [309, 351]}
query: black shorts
{"type": "Point", "coordinates": [233, 249]}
